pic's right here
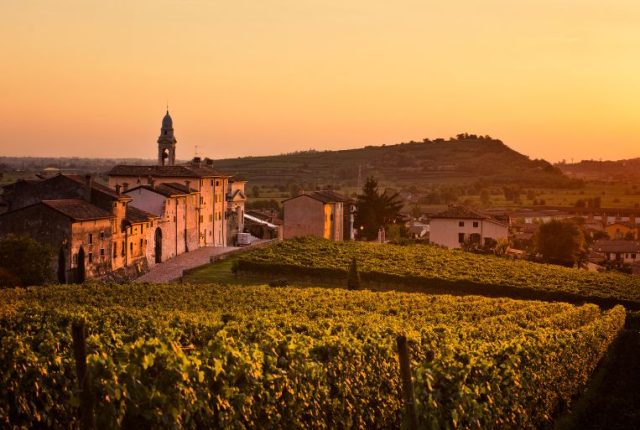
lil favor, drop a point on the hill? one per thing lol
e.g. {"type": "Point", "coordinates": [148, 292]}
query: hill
{"type": "Point", "coordinates": [613, 171]}
{"type": "Point", "coordinates": [461, 160]}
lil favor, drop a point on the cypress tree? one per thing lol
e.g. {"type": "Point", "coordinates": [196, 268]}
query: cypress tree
{"type": "Point", "coordinates": [353, 280]}
{"type": "Point", "coordinates": [80, 271]}
{"type": "Point", "coordinates": [62, 269]}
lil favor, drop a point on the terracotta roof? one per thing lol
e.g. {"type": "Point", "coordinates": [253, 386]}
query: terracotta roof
{"type": "Point", "coordinates": [78, 210]}
{"type": "Point", "coordinates": [616, 246]}
{"type": "Point", "coordinates": [135, 215]}
{"type": "Point", "coordinates": [183, 171]}
{"type": "Point", "coordinates": [326, 196]}
{"type": "Point", "coordinates": [461, 212]}
{"type": "Point", "coordinates": [181, 187]}
{"type": "Point", "coordinates": [95, 186]}
{"type": "Point", "coordinates": [231, 196]}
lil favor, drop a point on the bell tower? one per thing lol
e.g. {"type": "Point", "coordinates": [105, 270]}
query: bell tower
{"type": "Point", "coordinates": [167, 142]}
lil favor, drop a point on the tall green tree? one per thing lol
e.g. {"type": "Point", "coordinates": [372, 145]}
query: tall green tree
{"type": "Point", "coordinates": [375, 209]}
{"type": "Point", "coordinates": [560, 242]}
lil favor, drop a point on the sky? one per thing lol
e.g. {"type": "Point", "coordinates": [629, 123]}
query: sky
{"type": "Point", "coordinates": [554, 79]}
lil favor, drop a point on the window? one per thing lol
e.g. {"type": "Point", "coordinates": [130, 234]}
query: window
{"type": "Point", "coordinates": [102, 235]}
{"type": "Point", "coordinates": [210, 217]}
{"type": "Point", "coordinates": [75, 259]}
{"type": "Point", "coordinates": [460, 223]}
{"type": "Point", "coordinates": [115, 249]}
{"type": "Point", "coordinates": [101, 253]}
{"type": "Point", "coordinates": [331, 217]}
{"type": "Point", "coordinates": [131, 247]}
{"type": "Point", "coordinates": [460, 237]}
{"type": "Point", "coordinates": [90, 238]}
{"type": "Point", "coordinates": [141, 228]}
{"type": "Point", "coordinates": [217, 183]}
{"type": "Point", "coordinates": [212, 183]}
{"type": "Point", "coordinates": [633, 256]}
{"type": "Point", "coordinates": [475, 224]}
{"type": "Point", "coordinates": [201, 199]}
{"type": "Point", "coordinates": [141, 242]}
{"type": "Point", "coordinates": [91, 257]}
{"type": "Point", "coordinates": [122, 249]}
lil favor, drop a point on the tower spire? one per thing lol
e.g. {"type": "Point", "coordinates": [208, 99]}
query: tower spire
{"type": "Point", "coordinates": [167, 142]}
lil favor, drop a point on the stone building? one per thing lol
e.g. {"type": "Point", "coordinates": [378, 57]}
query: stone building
{"type": "Point", "coordinates": [211, 185]}
{"type": "Point", "coordinates": [81, 230]}
{"type": "Point", "coordinates": [176, 207]}
{"type": "Point", "coordinates": [146, 215]}
{"type": "Point", "coordinates": [235, 214]}
{"type": "Point", "coordinates": [318, 213]}
{"type": "Point", "coordinates": [126, 223]}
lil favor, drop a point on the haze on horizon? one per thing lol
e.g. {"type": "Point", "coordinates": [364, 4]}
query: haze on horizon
{"type": "Point", "coordinates": [554, 79]}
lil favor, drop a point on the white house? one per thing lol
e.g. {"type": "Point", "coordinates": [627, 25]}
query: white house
{"type": "Point", "coordinates": [625, 251]}
{"type": "Point", "coordinates": [459, 224]}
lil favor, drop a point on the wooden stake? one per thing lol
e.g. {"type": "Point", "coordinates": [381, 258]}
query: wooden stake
{"type": "Point", "coordinates": [407, 384]}
{"type": "Point", "coordinates": [85, 412]}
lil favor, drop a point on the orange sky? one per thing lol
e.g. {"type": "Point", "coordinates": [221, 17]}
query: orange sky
{"type": "Point", "coordinates": [552, 78]}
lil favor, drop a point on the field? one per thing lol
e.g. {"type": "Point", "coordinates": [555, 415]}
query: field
{"type": "Point", "coordinates": [435, 269]}
{"type": "Point", "coordinates": [185, 356]}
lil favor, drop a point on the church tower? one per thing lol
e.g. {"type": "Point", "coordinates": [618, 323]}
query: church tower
{"type": "Point", "coordinates": [167, 142]}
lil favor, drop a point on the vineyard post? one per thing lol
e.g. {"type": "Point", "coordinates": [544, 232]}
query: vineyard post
{"type": "Point", "coordinates": [407, 383]}
{"type": "Point", "coordinates": [85, 412]}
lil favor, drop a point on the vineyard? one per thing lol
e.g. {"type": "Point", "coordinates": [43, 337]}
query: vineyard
{"type": "Point", "coordinates": [184, 356]}
{"type": "Point", "coordinates": [441, 269]}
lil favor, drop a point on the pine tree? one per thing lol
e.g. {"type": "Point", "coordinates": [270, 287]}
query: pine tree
{"type": "Point", "coordinates": [375, 210]}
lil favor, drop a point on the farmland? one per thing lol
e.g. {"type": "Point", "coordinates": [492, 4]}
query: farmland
{"type": "Point", "coordinates": [186, 356]}
{"type": "Point", "coordinates": [432, 268]}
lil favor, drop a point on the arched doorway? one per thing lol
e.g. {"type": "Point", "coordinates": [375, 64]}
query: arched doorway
{"type": "Point", "coordinates": [80, 270]}
{"type": "Point", "coordinates": [158, 247]}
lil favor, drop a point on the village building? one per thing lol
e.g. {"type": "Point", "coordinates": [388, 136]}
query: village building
{"type": "Point", "coordinates": [622, 230]}
{"type": "Point", "coordinates": [175, 205]}
{"type": "Point", "coordinates": [198, 174]}
{"type": "Point", "coordinates": [78, 232]}
{"type": "Point", "coordinates": [147, 215]}
{"type": "Point", "coordinates": [457, 225]}
{"type": "Point", "coordinates": [621, 251]}
{"type": "Point", "coordinates": [126, 223]}
{"type": "Point", "coordinates": [320, 214]}
{"type": "Point", "coordinates": [235, 214]}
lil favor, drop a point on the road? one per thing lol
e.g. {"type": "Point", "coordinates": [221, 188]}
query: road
{"type": "Point", "coordinates": [171, 269]}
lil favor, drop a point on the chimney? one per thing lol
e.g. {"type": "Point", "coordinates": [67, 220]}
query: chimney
{"type": "Point", "coordinates": [188, 185]}
{"type": "Point", "coordinates": [209, 162]}
{"type": "Point", "coordinates": [87, 187]}
{"type": "Point", "coordinates": [118, 189]}
{"type": "Point", "coordinates": [152, 182]}
{"type": "Point", "coordinates": [125, 186]}
{"type": "Point", "coordinates": [196, 161]}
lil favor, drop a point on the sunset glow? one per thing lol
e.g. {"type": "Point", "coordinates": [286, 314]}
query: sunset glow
{"type": "Point", "coordinates": [554, 79]}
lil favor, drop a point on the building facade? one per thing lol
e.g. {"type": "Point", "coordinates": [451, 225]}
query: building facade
{"type": "Point", "coordinates": [146, 214]}
{"type": "Point", "coordinates": [458, 225]}
{"type": "Point", "coordinates": [318, 213]}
